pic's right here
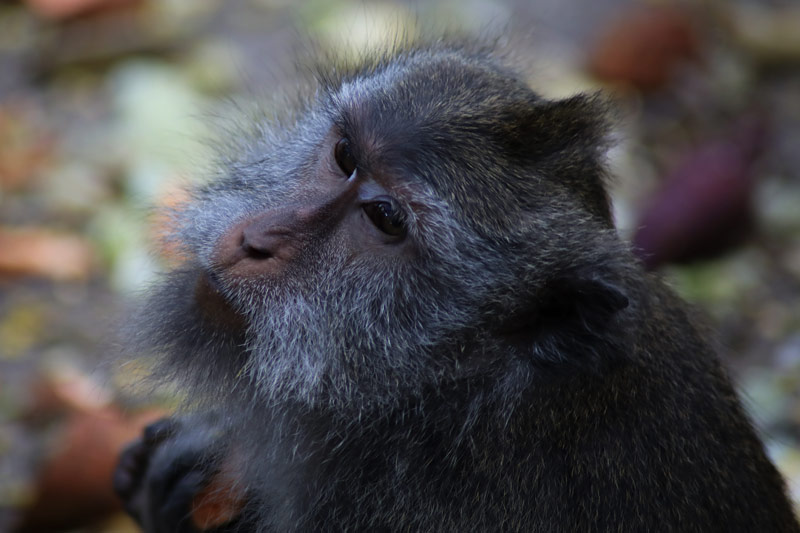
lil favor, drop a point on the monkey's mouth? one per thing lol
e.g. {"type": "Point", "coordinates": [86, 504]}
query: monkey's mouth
{"type": "Point", "coordinates": [214, 306]}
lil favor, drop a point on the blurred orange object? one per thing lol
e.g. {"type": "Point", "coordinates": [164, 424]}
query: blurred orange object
{"type": "Point", "coordinates": [41, 252]}
{"type": "Point", "coordinates": [62, 9]}
{"type": "Point", "coordinates": [644, 47]}
{"type": "Point", "coordinates": [221, 501]}
{"type": "Point", "coordinates": [171, 200]}
{"type": "Point", "coordinates": [74, 485]}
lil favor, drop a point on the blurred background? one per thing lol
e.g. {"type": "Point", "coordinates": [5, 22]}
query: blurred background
{"type": "Point", "coordinates": [101, 120]}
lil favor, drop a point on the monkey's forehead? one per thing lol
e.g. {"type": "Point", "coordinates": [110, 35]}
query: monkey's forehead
{"type": "Point", "coordinates": [429, 94]}
{"type": "Point", "coordinates": [442, 118]}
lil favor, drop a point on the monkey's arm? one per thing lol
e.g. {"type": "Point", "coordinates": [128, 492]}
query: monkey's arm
{"type": "Point", "coordinates": [172, 480]}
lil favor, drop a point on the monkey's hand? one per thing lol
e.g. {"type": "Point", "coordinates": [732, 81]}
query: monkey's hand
{"type": "Point", "coordinates": [172, 480]}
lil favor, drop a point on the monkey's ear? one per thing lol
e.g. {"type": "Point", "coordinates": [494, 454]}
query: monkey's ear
{"type": "Point", "coordinates": [580, 322]}
{"type": "Point", "coordinates": [574, 323]}
{"type": "Point", "coordinates": [577, 126]}
{"type": "Point", "coordinates": [565, 141]}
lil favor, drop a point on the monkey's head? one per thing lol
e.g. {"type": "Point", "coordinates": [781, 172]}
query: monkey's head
{"type": "Point", "coordinates": [424, 217]}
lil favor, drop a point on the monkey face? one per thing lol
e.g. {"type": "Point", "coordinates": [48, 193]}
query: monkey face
{"type": "Point", "coordinates": [379, 243]}
{"type": "Point", "coordinates": [321, 281]}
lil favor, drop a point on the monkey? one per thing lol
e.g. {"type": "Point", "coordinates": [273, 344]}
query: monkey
{"type": "Point", "coordinates": [404, 306]}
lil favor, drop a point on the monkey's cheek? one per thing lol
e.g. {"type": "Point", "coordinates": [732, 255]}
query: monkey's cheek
{"type": "Point", "coordinates": [215, 308]}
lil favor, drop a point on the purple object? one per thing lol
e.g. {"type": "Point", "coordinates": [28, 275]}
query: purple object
{"type": "Point", "coordinates": [705, 205]}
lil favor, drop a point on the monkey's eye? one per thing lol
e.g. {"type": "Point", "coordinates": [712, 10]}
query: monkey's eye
{"type": "Point", "coordinates": [344, 157]}
{"type": "Point", "coordinates": [386, 216]}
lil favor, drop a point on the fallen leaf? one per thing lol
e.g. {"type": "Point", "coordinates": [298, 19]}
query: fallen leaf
{"type": "Point", "coordinates": [644, 47]}
{"type": "Point", "coordinates": [24, 147]}
{"type": "Point", "coordinates": [73, 488]}
{"type": "Point", "coordinates": [704, 206]}
{"type": "Point", "coordinates": [62, 9]}
{"type": "Point", "coordinates": [44, 253]}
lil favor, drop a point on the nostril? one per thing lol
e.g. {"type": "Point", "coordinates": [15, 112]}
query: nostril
{"type": "Point", "coordinates": [256, 253]}
{"type": "Point", "coordinates": [259, 244]}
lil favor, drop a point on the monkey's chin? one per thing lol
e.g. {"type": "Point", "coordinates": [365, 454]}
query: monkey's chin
{"type": "Point", "coordinates": [214, 307]}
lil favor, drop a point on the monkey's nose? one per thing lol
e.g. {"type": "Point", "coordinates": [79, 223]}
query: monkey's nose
{"type": "Point", "coordinates": [259, 246]}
